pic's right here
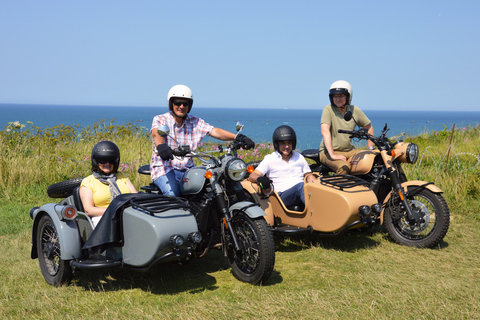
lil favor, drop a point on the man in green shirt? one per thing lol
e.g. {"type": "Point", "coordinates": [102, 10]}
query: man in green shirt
{"type": "Point", "coordinates": [336, 148]}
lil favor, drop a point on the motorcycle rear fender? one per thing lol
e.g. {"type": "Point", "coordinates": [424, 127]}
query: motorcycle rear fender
{"type": "Point", "coordinates": [251, 209]}
{"type": "Point", "coordinates": [433, 188]}
{"type": "Point", "coordinates": [68, 235]}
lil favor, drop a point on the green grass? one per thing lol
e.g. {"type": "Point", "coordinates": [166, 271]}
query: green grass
{"type": "Point", "coordinates": [361, 275]}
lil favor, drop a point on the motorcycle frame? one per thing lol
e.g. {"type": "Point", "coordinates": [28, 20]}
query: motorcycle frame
{"type": "Point", "coordinates": [362, 162]}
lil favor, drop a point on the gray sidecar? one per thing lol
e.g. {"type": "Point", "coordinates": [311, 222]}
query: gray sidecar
{"type": "Point", "coordinates": [136, 231]}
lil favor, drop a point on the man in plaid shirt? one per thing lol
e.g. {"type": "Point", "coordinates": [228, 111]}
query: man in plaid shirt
{"type": "Point", "coordinates": [166, 170]}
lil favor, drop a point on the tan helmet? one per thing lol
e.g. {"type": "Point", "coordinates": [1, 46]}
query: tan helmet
{"type": "Point", "coordinates": [339, 87]}
{"type": "Point", "coordinates": [180, 91]}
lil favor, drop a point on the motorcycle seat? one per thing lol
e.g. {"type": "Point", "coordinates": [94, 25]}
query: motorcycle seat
{"type": "Point", "coordinates": [77, 201]}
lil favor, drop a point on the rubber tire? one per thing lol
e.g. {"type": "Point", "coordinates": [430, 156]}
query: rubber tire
{"type": "Point", "coordinates": [63, 189]}
{"type": "Point", "coordinates": [436, 234]}
{"type": "Point", "coordinates": [263, 238]}
{"type": "Point", "coordinates": [56, 271]}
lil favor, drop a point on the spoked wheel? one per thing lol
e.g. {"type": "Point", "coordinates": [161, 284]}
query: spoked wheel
{"type": "Point", "coordinates": [254, 262]}
{"type": "Point", "coordinates": [55, 270]}
{"type": "Point", "coordinates": [432, 224]}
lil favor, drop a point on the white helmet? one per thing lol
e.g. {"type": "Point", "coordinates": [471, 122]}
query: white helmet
{"type": "Point", "coordinates": [180, 91]}
{"type": "Point", "coordinates": [339, 87]}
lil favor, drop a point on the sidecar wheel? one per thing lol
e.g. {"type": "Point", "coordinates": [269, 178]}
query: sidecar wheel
{"type": "Point", "coordinates": [435, 219]}
{"type": "Point", "coordinates": [255, 261]}
{"type": "Point", "coordinates": [63, 189]}
{"type": "Point", "coordinates": [55, 270]}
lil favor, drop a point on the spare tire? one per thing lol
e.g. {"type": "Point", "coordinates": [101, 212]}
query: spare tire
{"type": "Point", "coordinates": [63, 189]}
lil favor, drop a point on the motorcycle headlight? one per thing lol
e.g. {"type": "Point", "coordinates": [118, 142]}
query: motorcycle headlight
{"type": "Point", "coordinates": [412, 153]}
{"type": "Point", "coordinates": [236, 169]}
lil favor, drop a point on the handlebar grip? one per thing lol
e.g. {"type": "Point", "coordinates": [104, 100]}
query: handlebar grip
{"type": "Point", "coordinates": [344, 131]}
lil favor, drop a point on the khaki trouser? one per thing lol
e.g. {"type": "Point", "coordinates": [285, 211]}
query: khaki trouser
{"type": "Point", "coordinates": [339, 166]}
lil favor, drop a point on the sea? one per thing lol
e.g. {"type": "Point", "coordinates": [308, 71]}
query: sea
{"type": "Point", "coordinates": [259, 122]}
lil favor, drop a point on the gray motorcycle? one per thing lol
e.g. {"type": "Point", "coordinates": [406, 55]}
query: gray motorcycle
{"type": "Point", "coordinates": [138, 231]}
{"type": "Point", "coordinates": [224, 217]}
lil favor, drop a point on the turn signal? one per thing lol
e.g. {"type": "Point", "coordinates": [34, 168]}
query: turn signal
{"type": "Point", "coordinates": [250, 169]}
{"type": "Point", "coordinates": [208, 174]}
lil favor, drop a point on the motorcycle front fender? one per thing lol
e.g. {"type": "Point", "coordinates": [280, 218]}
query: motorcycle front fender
{"type": "Point", "coordinates": [417, 183]}
{"type": "Point", "coordinates": [68, 235]}
{"type": "Point", "coordinates": [251, 209]}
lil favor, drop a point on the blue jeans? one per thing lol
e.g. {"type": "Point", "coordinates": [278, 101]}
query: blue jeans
{"type": "Point", "coordinates": [168, 183]}
{"type": "Point", "coordinates": [293, 196]}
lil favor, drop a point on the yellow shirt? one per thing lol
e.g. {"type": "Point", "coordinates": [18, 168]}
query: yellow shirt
{"type": "Point", "coordinates": [101, 192]}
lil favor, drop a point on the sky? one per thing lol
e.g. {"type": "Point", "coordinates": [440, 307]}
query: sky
{"type": "Point", "coordinates": [397, 55]}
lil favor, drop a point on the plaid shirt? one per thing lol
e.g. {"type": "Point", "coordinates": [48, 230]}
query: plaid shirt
{"type": "Point", "coordinates": [190, 133]}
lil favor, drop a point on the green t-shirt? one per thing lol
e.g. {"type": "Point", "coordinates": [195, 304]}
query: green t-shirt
{"type": "Point", "coordinates": [333, 117]}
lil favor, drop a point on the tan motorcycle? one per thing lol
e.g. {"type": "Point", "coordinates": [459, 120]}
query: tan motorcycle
{"type": "Point", "coordinates": [376, 192]}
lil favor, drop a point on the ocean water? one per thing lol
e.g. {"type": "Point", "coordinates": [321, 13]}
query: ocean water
{"type": "Point", "coordinates": [259, 123]}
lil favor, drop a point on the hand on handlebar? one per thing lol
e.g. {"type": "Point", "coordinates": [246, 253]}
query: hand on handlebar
{"type": "Point", "coordinates": [245, 141]}
{"type": "Point", "coordinates": [165, 152]}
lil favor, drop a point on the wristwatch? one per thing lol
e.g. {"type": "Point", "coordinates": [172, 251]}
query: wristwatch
{"type": "Point", "coordinates": [371, 148]}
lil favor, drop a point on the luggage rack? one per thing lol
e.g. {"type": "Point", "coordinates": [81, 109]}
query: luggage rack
{"type": "Point", "coordinates": [159, 203]}
{"type": "Point", "coordinates": [343, 181]}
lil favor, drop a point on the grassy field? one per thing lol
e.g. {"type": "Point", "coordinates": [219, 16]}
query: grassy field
{"type": "Point", "coordinates": [361, 275]}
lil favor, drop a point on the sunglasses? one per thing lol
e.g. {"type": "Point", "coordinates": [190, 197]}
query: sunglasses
{"type": "Point", "coordinates": [178, 103]}
{"type": "Point", "coordinates": [104, 161]}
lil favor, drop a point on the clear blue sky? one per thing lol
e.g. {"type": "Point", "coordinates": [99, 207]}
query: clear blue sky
{"type": "Point", "coordinates": [417, 55]}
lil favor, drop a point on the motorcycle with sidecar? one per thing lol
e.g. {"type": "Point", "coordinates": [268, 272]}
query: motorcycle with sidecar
{"type": "Point", "coordinates": [376, 191]}
{"type": "Point", "coordinates": [141, 230]}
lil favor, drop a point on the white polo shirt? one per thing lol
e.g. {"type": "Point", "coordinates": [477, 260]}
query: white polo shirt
{"type": "Point", "coordinates": [284, 174]}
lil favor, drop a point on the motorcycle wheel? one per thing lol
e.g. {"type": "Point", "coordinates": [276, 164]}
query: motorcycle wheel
{"type": "Point", "coordinates": [55, 270]}
{"type": "Point", "coordinates": [254, 262]}
{"type": "Point", "coordinates": [434, 214]}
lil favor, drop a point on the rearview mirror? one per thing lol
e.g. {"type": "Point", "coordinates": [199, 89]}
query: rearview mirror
{"type": "Point", "coordinates": [348, 116]}
{"type": "Point", "coordinates": [163, 131]}
{"type": "Point", "coordinates": [239, 126]}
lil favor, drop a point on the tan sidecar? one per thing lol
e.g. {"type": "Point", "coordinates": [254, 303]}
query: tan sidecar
{"type": "Point", "coordinates": [333, 205]}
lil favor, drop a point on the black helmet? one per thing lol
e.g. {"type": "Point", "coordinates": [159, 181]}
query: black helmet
{"type": "Point", "coordinates": [284, 133]}
{"type": "Point", "coordinates": [105, 150]}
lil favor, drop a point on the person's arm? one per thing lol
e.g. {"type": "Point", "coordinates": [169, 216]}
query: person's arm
{"type": "Point", "coordinates": [327, 140]}
{"type": "Point", "coordinates": [86, 195]}
{"type": "Point", "coordinates": [370, 130]}
{"type": "Point", "coordinates": [131, 187]}
{"type": "Point", "coordinates": [254, 176]}
{"type": "Point", "coordinates": [157, 139]}
{"type": "Point", "coordinates": [221, 134]}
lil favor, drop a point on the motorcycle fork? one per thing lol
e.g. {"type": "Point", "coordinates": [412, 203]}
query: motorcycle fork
{"type": "Point", "coordinates": [222, 205]}
{"type": "Point", "coordinates": [397, 187]}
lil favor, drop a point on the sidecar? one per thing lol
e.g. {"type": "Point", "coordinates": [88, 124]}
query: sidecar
{"type": "Point", "coordinates": [333, 205]}
{"type": "Point", "coordinates": [137, 231]}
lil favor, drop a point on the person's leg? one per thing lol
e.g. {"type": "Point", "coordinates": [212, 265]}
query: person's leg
{"type": "Point", "coordinates": [339, 166]}
{"type": "Point", "coordinates": [293, 196]}
{"type": "Point", "coordinates": [168, 184]}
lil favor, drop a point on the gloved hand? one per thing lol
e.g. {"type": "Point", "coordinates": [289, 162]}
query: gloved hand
{"type": "Point", "coordinates": [245, 141]}
{"type": "Point", "coordinates": [165, 152]}
{"type": "Point", "coordinates": [264, 182]}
